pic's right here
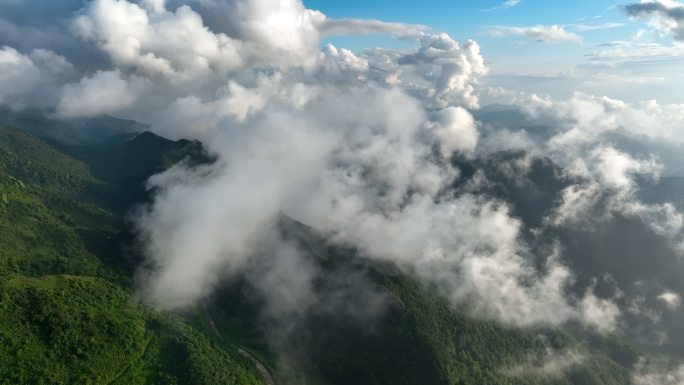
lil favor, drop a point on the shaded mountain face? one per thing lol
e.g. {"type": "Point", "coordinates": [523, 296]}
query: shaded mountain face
{"type": "Point", "coordinates": [127, 164]}
{"type": "Point", "coordinates": [121, 153]}
{"type": "Point", "coordinates": [371, 324]}
{"type": "Point", "coordinates": [531, 185]}
{"type": "Point", "coordinates": [620, 256]}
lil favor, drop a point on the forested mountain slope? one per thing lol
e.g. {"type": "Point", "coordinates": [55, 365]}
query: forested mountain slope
{"type": "Point", "coordinates": [69, 314]}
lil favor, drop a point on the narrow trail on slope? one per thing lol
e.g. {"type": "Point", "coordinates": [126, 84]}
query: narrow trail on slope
{"type": "Point", "coordinates": [266, 376]}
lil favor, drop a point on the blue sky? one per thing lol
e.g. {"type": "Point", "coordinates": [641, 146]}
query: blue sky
{"type": "Point", "coordinates": [519, 62]}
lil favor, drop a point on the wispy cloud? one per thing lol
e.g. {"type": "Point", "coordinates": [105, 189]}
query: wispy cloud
{"type": "Point", "coordinates": [342, 27]}
{"type": "Point", "coordinates": [549, 34]}
{"type": "Point", "coordinates": [504, 5]}
{"type": "Point", "coordinates": [617, 53]}
{"type": "Point", "coordinates": [594, 27]}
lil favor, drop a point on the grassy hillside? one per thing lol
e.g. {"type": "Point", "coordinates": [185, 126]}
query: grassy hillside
{"type": "Point", "coordinates": [46, 200]}
{"type": "Point", "coordinates": [84, 330]}
{"type": "Point", "coordinates": [67, 313]}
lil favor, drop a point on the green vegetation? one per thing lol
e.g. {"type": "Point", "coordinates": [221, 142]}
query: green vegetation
{"type": "Point", "coordinates": [83, 330]}
{"type": "Point", "coordinates": [67, 314]}
{"type": "Point", "coordinates": [45, 204]}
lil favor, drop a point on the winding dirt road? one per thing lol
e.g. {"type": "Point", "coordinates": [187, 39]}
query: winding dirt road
{"type": "Point", "coordinates": [266, 376]}
{"type": "Point", "coordinates": [263, 372]}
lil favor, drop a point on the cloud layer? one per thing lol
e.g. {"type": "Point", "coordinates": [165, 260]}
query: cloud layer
{"type": "Point", "coordinates": [382, 150]}
{"type": "Point", "coordinates": [542, 33]}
